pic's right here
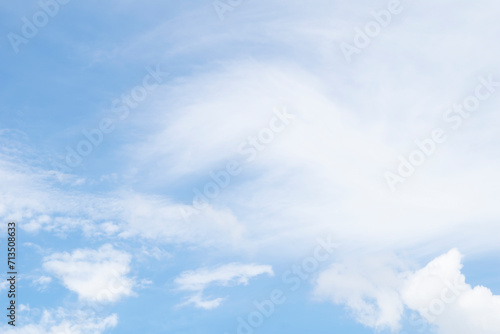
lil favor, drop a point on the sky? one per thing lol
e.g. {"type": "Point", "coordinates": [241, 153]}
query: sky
{"type": "Point", "coordinates": [250, 166]}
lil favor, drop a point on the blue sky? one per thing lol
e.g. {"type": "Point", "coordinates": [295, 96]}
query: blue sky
{"type": "Point", "coordinates": [251, 166]}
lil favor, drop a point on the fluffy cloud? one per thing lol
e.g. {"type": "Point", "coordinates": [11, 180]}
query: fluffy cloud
{"type": "Point", "coordinates": [377, 292]}
{"type": "Point", "coordinates": [95, 275]}
{"type": "Point", "coordinates": [441, 296]}
{"type": "Point", "coordinates": [226, 275]}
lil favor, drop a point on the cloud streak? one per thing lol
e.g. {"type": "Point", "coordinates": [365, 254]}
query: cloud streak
{"type": "Point", "coordinates": [232, 274]}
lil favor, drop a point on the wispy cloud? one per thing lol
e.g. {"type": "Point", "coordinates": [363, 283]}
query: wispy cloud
{"type": "Point", "coordinates": [232, 274]}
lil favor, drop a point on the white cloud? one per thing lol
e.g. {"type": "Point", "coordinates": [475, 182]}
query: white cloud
{"type": "Point", "coordinates": [154, 252]}
{"type": "Point", "coordinates": [202, 302]}
{"type": "Point", "coordinates": [35, 199]}
{"type": "Point", "coordinates": [377, 292]}
{"type": "Point", "coordinates": [369, 287]}
{"type": "Point", "coordinates": [441, 296]}
{"type": "Point", "coordinates": [323, 175]}
{"type": "Point", "coordinates": [352, 123]}
{"type": "Point", "coordinates": [42, 282]}
{"type": "Point", "coordinates": [226, 275]}
{"type": "Point", "coordinates": [38, 203]}
{"type": "Point", "coordinates": [60, 321]}
{"type": "Point", "coordinates": [95, 275]}
{"type": "Point", "coordinates": [144, 283]}
{"type": "Point", "coordinates": [331, 160]}
{"type": "Point", "coordinates": [160, 219]}
{"type": "Point", "coordinates": [4, 285]}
